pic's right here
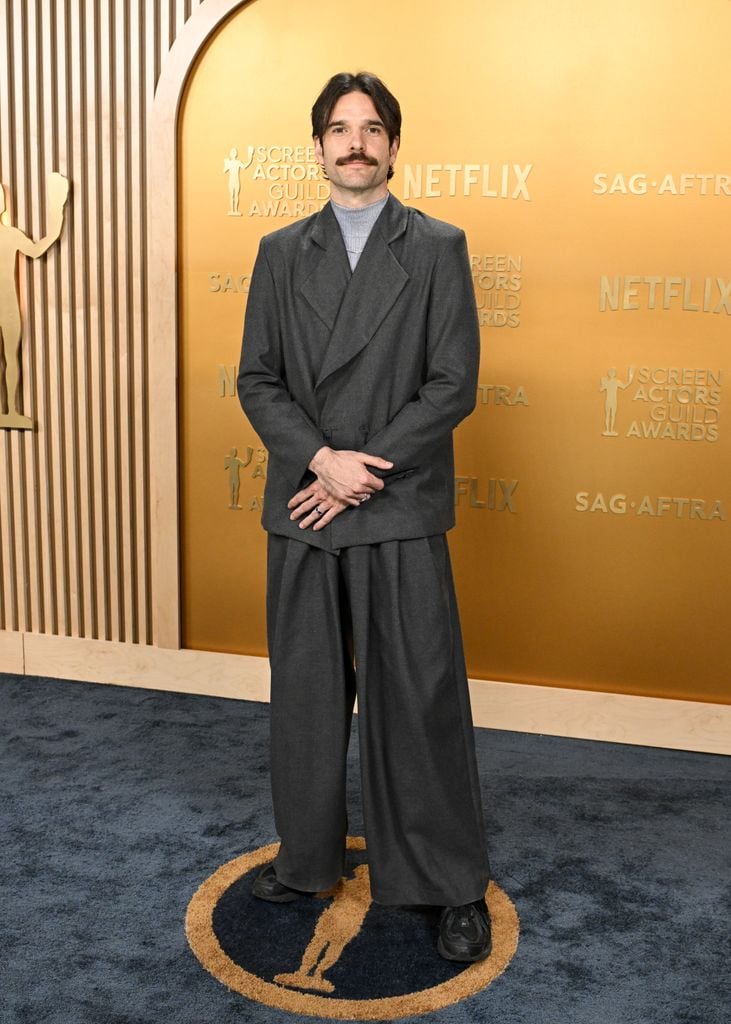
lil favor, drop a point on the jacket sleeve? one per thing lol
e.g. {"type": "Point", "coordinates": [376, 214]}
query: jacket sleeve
{"type": "Point", "coordinates": [283, 425]}
{"type": "Point", "coordinates": [452, 361]}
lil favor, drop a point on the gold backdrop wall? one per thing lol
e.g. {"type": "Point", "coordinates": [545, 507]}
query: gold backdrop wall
{"type": "Point", "coordinates": [580, 147]}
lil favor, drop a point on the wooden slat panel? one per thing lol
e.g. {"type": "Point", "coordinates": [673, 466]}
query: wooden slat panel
{"type": "Point", "coordinates": [77, 81]}
{"type": "Point", "coordinates": [8, 612]}
{"type": "Point", "coordinates": [179, 17]}
{"type": "Point", "coordinates": [84, 320]}
{"type": "Point", "coordinates": [140, 581]}
{"type": "Point", "coordinates": [37, 346]}
{"type": "Point", "coordinates": [69, 470]}
{"type": "Point", "coordinates": [53, 477]}
{"type": "Point", "coordinates": [18, 488]}
{"type": "Point", "coordinates": [122, 314]}
{"type": "Point", "coordinates": [96, 260]}
{"type": "Point", "coordinates": [105, 91]}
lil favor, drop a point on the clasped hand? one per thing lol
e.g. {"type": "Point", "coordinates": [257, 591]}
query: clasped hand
{"type": "Point", "coordinates": [342, 480]}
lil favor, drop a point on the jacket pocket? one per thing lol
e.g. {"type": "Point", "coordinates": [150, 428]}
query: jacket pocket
{"type": "Point", "coordinates": [346, 437]}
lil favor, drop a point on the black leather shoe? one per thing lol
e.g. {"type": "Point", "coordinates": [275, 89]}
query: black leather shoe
{"type": "Point", "coordinates": [268, 887]}
{"type": "Point", "coordinates": [464, 933]}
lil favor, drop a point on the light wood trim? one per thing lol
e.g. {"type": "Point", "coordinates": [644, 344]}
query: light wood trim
{"type": "Point", "coordinates": [11, 652]}
{"type": "Point", "coordinates": [162, 304]}
{"type": "Point", "coordinates": [610, 717]}
{"type": "Point", "coordinates": [515, 707]}
{"type": "Point", "coordinates": [145, 667]}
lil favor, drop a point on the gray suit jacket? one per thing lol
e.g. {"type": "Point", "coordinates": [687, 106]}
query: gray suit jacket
{"type": "Point", "coordinates": [383, 360]}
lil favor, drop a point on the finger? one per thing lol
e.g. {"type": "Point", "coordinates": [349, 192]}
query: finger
{"type": "Point", "coordinates": [303, 508]}
{"type": "Point", "coordinates": [313, 517]}
{"type": "Point", "coordinates": [366, 485]}
{"type": "Point", "coordinates": [301, 496]}
{"type": "Point", "coordinates": [340, 494]}
{"type": "Point", "coordinates": [333, 511]}
{"type": "Point", "coordinates": [375, 460]}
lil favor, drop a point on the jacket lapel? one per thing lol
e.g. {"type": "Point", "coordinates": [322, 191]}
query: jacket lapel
{"type": "Point", "coordinates": [376, 283]}
{"type": "Point", "coordinates": [325, 286]}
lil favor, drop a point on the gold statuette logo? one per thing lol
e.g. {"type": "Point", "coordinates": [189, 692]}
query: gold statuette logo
{"type": "Point", "coordinates": [12, 242]}
{"type": "Point", "coordinates": [336, 954]}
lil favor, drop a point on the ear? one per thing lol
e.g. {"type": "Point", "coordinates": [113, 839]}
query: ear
{"type": "Point", "coordinates": [319, 155]}
{"type": "Point", "coordinates": [394, 149]}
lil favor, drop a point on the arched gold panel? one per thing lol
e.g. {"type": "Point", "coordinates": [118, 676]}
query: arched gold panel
{"type": "Point", "coordinates": [579, 146]}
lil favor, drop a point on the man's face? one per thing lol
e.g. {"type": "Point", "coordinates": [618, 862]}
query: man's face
{"type": "Point", "coordinates": [355, 150]}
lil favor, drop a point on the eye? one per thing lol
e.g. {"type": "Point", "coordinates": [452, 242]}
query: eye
{"type": "Point", "coordinates": [374, 129]}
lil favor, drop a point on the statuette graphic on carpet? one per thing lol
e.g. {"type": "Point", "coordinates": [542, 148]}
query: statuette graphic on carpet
{"type": "Point", "coordinates": [335, 954]}
{"type": "Point", "coordinates": [12, 242]}
{"type": "Point", "coordinates": [336, 926]}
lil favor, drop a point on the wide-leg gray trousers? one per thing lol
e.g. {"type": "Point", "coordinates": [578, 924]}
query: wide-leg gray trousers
{"type": "Point", "coordinates": [380, 620]}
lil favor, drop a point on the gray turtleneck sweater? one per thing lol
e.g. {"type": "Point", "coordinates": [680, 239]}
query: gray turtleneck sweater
{"type": "Point", "coordinates": [355, 224]}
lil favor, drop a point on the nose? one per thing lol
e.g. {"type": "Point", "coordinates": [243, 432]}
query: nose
{"type": "Point", "coordinates": [357, 140]}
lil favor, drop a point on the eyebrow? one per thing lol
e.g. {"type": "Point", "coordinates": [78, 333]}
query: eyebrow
{"type": "Point", "coordinates": [342, 123]}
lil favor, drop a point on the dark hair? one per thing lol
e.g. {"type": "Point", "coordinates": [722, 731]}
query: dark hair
{"type": "Point", "coordinates": [386, 104]}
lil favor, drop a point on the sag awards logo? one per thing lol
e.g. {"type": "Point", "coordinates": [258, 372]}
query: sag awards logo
{"type": "Point", "coordinates": [483, 181]}
{"type": "Point", "coordinates": [494, 494]}
{"type": "Point", "coordinates": [639, 183]}
{"type": "Point", "coordinates": [254, 463]}
{"type": "Point", "coordinates": [498, 282]}
{"type": "Point", "coordinates": [502, 394]}
{"type": "Point", "coordinates": [251, 460]}
{"type": "Point", "coordinates": [701, 509]}
{"type": "Point", "coordinates": [689, 294]}
{"type": "Point", "coordinates": [669, 403]}
{"type": "Point", "coordinates": [224, 282]}
{"type": "Point", "coordinates": [284, 180]}
{"type": "Point", "coordinates": [335, 954]}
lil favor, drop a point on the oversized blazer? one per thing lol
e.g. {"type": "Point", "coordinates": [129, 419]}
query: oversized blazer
{"type": "Point", "coordinates": [382, 360]}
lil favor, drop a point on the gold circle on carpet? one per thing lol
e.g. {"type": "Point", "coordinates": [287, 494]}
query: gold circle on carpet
{"type": "Point", "coordinates": [205, 945]}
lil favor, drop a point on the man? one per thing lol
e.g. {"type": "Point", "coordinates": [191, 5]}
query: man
{"type": "Point", "coordinates": [359, 358]}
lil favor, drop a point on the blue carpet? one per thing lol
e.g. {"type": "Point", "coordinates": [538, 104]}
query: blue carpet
{"type": "Point", "coordinates": [117, 803]}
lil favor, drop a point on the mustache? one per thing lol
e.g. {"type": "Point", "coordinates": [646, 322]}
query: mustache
{"type": "Point", "coordinates": [360, 158]}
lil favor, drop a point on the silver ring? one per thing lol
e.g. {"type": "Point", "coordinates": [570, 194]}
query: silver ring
{"type": "Point", "coordinates": [320, 511]}
{"type": "Point", "coordinates": [364, 497]}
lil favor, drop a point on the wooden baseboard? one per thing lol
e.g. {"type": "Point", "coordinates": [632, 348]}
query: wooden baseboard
{"type": "Point", "coordinates": [152, 668]}
{"type": "Point", "coordinates": [11, 652]}
{"type": "Point", "coordinates": [516, 707]}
